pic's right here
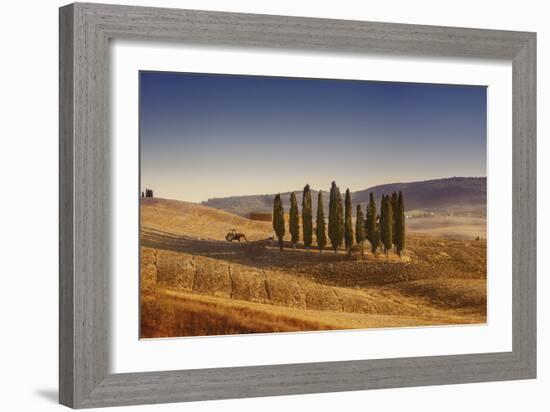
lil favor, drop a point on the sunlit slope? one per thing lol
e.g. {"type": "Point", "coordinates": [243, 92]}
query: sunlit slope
{"type": "Point", "coordinates": [190, 219]}
{"type": "Point", "coordinates": [194, 282]}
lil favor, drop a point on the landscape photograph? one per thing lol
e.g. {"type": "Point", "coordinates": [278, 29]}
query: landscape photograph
{"type": "Point", "coordinates": [281, 204]}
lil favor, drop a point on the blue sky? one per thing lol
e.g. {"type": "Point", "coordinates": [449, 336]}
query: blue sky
{"type": "Point", "coordinates": [204, 136]}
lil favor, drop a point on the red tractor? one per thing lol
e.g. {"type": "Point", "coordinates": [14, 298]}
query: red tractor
{"type": "Point", "coordinates": [234, 235]}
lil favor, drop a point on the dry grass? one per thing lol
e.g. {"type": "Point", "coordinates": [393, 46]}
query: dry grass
{"type": "Point", "coordinates": [164, 315]}
{"type": "Point", "coordinates": [202, 286]}
{"type": "Point", "coordinates": [168, 313]}
{"type": "Point", "coordinates": [469, 294]}
{"type": "Point", "coordinates": [190, 219]}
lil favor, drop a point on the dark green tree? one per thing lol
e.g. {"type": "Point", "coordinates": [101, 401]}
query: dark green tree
{"type": "Point", "coordinates": [279, 220]}
{"type": "Point", "coordinates": [375, 242]}
{"type": "Point", "coordinates": [394, 215]}
{"type": "Point", "coordinates": [294, 221]}
{"type": "Point", "coordinates": [386, 216]}
{"type": "Point", "coordinates": [335, 218]}
{"type": "Point", "coordinates": [348, 225]}
{"type": "Point", "coordinates": [371, 224]}
{"type": "Point", "coordinates": [383, 220]}
{"type": "Point", "coordinates": [307, 217]}
{"type": "Point", "coordinates": [320, 231]}
{"type": "Point", "coordinates": [400, 225]}
{"type": "Point", "coordinates": [360, 227]}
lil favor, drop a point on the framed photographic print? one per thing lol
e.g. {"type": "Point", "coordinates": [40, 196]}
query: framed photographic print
{"type": "Point", "coordinates": [257, 205]}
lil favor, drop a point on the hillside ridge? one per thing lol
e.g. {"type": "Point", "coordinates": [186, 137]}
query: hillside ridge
{"type": "Point", "coordinates": [432, 194]}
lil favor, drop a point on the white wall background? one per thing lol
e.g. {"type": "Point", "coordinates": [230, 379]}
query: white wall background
{"type": "Point", "coordinates": [28, 176]}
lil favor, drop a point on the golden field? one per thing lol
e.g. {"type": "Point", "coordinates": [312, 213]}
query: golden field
{"type": "Point", "coordinates": [194, 282]}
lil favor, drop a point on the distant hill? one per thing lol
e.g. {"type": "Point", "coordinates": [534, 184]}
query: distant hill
{"type": "Point", "coordinates": [431, 195]}
{"type": "Point", "coordinates": [439, 194]}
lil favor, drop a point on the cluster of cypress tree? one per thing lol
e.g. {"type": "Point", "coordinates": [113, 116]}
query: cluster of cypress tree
{"type": "Point", "coordinates": [385, 230]}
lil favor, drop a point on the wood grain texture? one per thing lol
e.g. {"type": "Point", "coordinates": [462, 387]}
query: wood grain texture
{"type": "Point", "coordinates": [524, 210]}
{"type": "Point", "coordinates": [66, 228]}
{"type": "Point", "coordinates": [85, 31]}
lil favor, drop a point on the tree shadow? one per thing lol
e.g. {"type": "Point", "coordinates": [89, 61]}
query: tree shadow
{"type": "Point", "coordinates": [261, 253]}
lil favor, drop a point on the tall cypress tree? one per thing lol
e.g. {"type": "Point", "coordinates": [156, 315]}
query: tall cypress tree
{"type": "Point", "coordinates": [371, 222]}
{"type": "Point", "coordinates": [400, 225]}
{"type": "Point", "coordinates": [335, 218]}
{"type": "Point", "coordinates": [394, 216]}
{"type": "Point", "coordinates": [320, 231]}
{"type": "Point", "coordinates": [383, 220]}
{"type": "Point", "coordinates": [294, 221]}
{"type": "Point", "coordinates": [332, 211]}
{"type": "Point", "coordinates": [307, 217]}
{"type": "Point", "coordinates": [340, 209]}
{"type": "Point", "coordinates": [348, 226]}
{"type": "Point", "coordinates": [279, 220]}
{"type": "Point", "coordinates": [360, 227]}
{"type": "Point", "coordinates": [386, 224]}
{"type": "Point", "coordinates": [375, 242]}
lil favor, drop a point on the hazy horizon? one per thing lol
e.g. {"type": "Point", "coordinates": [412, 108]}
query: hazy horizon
{"type": "Point", "coordinates": [213, 136]}
{"type": "Point", "coordinates": [314, 189]}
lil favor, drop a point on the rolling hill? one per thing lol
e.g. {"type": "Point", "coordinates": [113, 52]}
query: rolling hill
{"type": "Point", "coordinates": [189, 219]}
{"type": "Point", "coordinates": [195, 283]}
{"type": "Point", "coordinates": [432, 195]}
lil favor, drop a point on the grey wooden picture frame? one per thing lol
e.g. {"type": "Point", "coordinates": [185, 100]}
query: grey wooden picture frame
{"type": "Point", "coordinates": [85, 32]}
